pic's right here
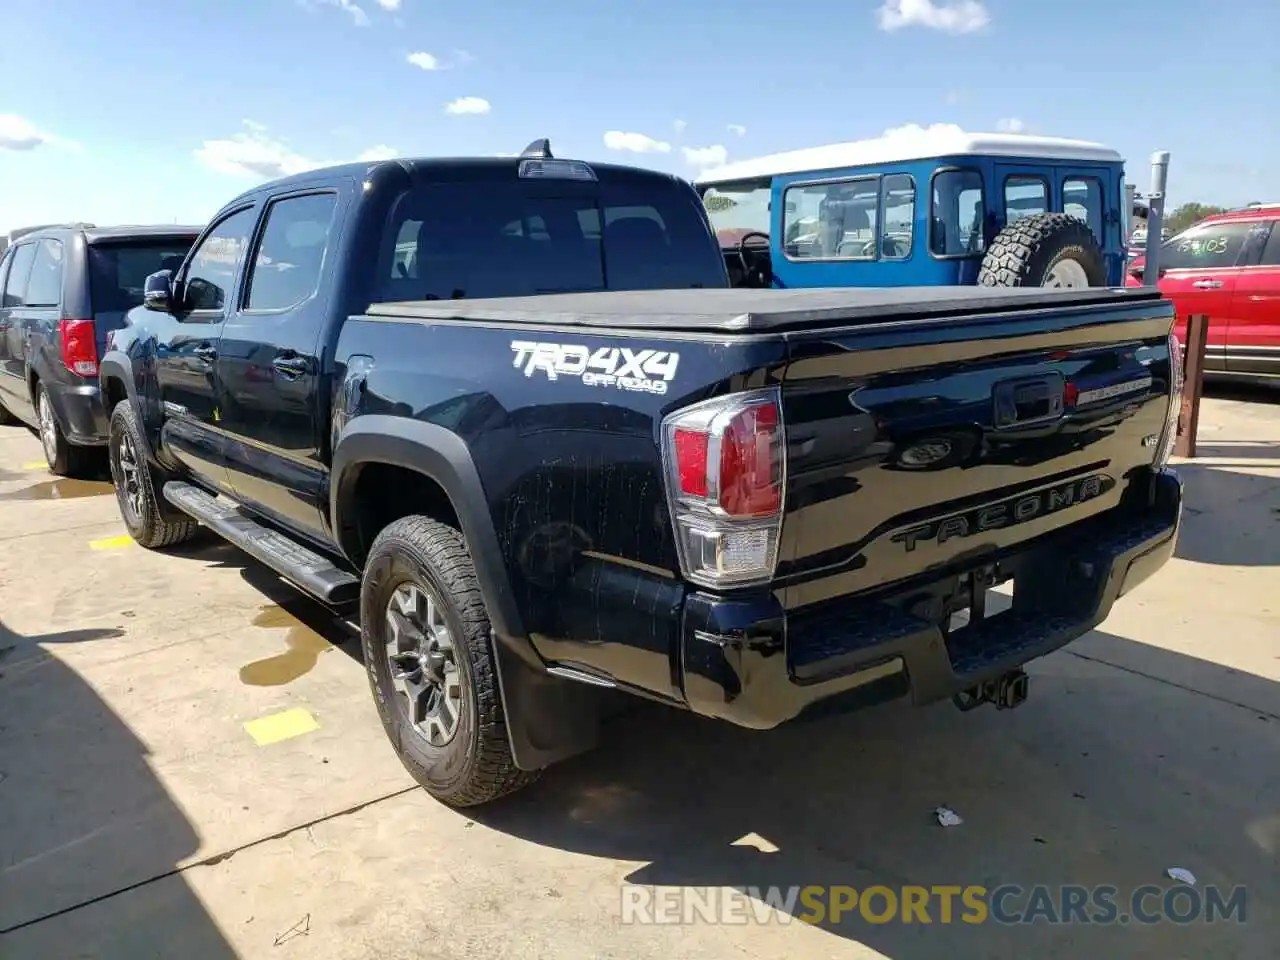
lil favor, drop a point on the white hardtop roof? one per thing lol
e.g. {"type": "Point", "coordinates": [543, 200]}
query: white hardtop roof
{"type": "Point", "coordinates": [914, 143]}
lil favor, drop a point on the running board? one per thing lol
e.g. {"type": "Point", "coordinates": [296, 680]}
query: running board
{"type": "Point", "coordinates": [306, 569]}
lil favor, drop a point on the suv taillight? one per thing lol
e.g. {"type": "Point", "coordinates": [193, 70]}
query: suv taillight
{"type": "Point", "coordinates": [725, 461]}
{"type": "Point", "coordinates": [79, 346]}
{"type": "Point", "coordinates": [1176, 377]}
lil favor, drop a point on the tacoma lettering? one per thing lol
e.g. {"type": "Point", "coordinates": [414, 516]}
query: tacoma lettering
{"type": "Point", "coordinates": [1006, 513]}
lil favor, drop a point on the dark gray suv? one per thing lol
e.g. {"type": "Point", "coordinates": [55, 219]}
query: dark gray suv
{"type": "Point", "coordinates": [65, 288]}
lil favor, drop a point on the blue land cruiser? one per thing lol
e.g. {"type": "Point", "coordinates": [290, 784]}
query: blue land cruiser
{"type": "Point", "coordinates": [926, 207]}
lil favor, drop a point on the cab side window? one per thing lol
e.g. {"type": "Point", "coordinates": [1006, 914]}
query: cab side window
{"type": "Point", "coordinates": [1271, 252]}
{"type": "Point", "coordinates": [290, 255]}
{"type": "Point", "coordinates": [211, 271]}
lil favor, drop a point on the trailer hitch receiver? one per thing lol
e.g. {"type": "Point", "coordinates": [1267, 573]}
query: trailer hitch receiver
{"type": "Point", "coordinates": [1006, 692]}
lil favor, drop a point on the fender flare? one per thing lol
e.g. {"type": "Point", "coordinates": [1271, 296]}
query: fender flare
{"type": "Point", "coordinates": [117, 366]}
{"type": "Point", "coordinates": [548, 718]}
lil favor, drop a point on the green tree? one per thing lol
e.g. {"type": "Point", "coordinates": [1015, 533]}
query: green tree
{"type": "Point", "coordinates": [1189, 214]}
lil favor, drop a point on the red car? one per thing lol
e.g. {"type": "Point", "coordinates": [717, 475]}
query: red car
{"type": "Point", "coordinates": [1227, 266]}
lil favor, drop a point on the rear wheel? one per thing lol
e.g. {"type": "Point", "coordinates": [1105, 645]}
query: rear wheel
{"type": "Point", "coordinates": [147, 521]}
{"type": "Point", "coordinates": [1046, 250]}
{"type": "Point", "coordinates": [426, 645]}
{"type": "Point", "coordinates": [64, 459]}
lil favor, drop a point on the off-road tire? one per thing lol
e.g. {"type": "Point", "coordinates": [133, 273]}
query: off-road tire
{"type": "Point", "coordinates": [154, 525]}
{"type": "Point", "coordinates": [1024, 252]}
{"type": "Point", "coordinates": [476, 765]}
{"type": "Point", "coordinates": [7, 419]}
{"type": "Point", "coordinates": [65, 459]}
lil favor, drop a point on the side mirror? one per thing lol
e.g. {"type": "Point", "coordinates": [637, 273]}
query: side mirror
{"type": "Point", "coordinates": [157, 291]}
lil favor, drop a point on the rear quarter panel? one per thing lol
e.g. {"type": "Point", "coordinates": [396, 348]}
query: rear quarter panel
{"type": "Point", "coordinates": [570, 469]}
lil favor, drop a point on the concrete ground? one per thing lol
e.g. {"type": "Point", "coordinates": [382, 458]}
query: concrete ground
{"type": "Point", "coordinates": [140, 817]}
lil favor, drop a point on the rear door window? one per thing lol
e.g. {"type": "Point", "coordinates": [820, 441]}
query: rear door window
{"type": "Point", "coordinates": [15, 285]}
{"type": "Point", "coordinates": [1082, 199]}
{"type": "Point", "coordinates": [44, 287]}
{"type": "Point", "coordinates": [118, 271]}
{"type": "Point", "coordinates": [502, 239]}
{"type": "Point", "coordinates": [1024, 196]}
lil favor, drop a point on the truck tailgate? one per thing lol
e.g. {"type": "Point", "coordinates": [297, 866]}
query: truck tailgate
{"type": "Point", "coordinates": [928, 445]}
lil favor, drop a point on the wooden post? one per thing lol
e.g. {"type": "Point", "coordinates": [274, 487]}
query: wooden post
{"type": "Point", "coordinates": [1193, 385]}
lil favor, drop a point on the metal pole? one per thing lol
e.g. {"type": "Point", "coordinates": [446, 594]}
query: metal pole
{"type": "Point", "coordinates": [1155, 216]}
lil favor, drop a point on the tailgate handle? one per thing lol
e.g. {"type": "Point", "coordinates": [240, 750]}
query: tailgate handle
{"type": "Point", "coordinates": [1028, 400]}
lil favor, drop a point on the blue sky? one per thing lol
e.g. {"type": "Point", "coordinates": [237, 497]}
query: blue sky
{"type": "Point", "coordinates": [157, 110]}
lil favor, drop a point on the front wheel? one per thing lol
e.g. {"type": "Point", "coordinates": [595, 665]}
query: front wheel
{"type": "Point", "coordinates": [426, 644]}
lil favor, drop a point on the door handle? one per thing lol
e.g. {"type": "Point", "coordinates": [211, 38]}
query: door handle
{"type": "Point", "coordinates": [1207, 284]}
{"type": "Point", "coordinates": [290, 366]}
{"type": "Point", "coordinates": [206, 351]}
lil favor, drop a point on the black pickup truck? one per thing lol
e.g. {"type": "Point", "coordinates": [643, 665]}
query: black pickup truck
{"type": "Point", "coordinates": [512, 409]}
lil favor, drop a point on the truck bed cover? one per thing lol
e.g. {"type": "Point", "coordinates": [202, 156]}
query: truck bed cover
{"type": "Point", "coordinates": [755, 311]}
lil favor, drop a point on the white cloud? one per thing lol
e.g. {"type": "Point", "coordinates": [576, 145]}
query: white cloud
{"type": "Point", "coordinates": [635, 142]}
{"type": "Point", "coordinates": [680, 126]}
{"type": "Point", "coordinates": [254, 152]}
{"type": "Point", "coordinates": [392, 5]}
{"type": "Point", "coordinates": [358, 16]}
{"type": "Point", "coordinates": [380, 152]}
{"type": "Point", "coordinates": [465, 105]}
{"type": "Point", "coordinates": [949, 16]}
{"type": "Point", "coordinates": [18, 133]}
{"type": "Point", "coordinates": [1011, 125]}
{"type": "Point", "coordinates": [706, 156]}
{"type": "Point", "coordinates": [425, 61]}
{"type": "Point", "coordinates": [737, 129]}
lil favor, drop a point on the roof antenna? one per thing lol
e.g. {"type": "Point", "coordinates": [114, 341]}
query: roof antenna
{"type": "Point", "coordinates": [538, 150]}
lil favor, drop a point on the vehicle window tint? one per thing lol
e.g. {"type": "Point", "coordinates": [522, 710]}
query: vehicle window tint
{"type": "Point", "coordinates": [1082, 199]}
{"type": "Point", "coordinates": [831, 221]}
{"type": "Point", "coordinates": [286, 268]}
{"type": "Point", "coordinates": [1024, 197]}
{"type": "Point", "coordinates": [1271, 252]}
{"type": "Point", "coordinates": [957, 213]}
{"type": "Point", "coordinates": [118, 271]}
{"type": "Point", "coordinates": [212, 270]}
{"type": "Point", "coordinates": [898, 203]}
{"type": "Point", "coordinates": [1205, 246]}
{"type": "Point", "coordinates": [44, 287]}
{"type": "Point", "coordinates": [15, 287]}
{"type": "Point", "coordinates": [492, 239]}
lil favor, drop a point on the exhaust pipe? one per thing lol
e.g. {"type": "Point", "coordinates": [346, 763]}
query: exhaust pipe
{"type": "Point", "coordinates": [1006, 692]}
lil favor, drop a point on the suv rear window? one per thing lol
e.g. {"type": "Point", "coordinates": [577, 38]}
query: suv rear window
{"type": "Point", "coordinates": [118, 271]}
{"type": "Point", "coordinates": [486, 239]}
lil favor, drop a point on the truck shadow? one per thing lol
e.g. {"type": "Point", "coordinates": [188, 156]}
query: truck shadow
{"type": "Point", "coordinates": [1105, 776]}
{"type": "Point", "coordinates": [1229, 516]}
{"type": "Point", "coordinates": [89, 837]}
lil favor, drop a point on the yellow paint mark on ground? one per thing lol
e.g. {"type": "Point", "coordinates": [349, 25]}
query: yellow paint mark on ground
{"type": "Point", "coordinates": [111, 543]}
{"type": "Point", "coordinates": [281, 726]}
{"type": "Point", "coordinates": [35, 465]}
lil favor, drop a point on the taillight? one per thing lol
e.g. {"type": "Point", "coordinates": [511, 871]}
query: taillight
{"type": "Point", "coordinates": [1176, 377]}
{"type": "Point", "coordinates": [725, 462]}
{"type": "Point", "coordinates": [79, 347]}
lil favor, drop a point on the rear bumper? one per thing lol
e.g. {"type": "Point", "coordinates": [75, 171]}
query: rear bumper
{"type": "Point", "coordinates": [80, 412]}
{"type": "Point", "coordinates": [749, 662]}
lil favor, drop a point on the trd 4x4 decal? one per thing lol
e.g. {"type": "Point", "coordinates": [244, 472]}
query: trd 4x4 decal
{"type": "Point", "coordinates": [640, 371]}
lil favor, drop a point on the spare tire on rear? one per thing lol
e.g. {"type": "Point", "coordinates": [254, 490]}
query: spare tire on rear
{"type": "Point", "coordinates": [1044, 250]}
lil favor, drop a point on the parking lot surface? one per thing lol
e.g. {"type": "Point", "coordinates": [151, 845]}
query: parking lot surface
{"type": "Point", "coordinates": [191, 766]}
